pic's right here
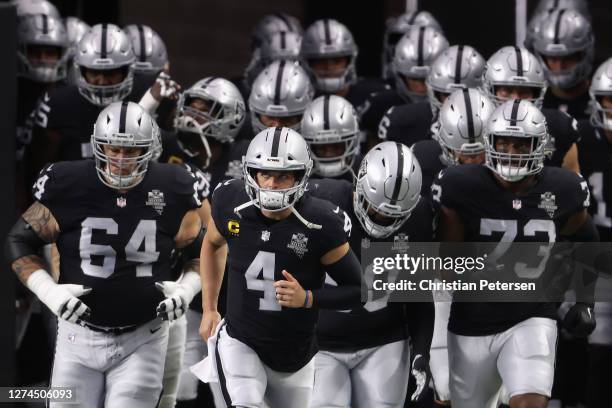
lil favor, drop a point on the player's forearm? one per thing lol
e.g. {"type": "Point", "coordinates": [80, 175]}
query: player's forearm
{"type": "Point", "coordinates": [421, 316]}
{"type": "Point", "coordinates": [212, 267]}
{"type": "Point", "coordinates": [347, 274]}
{"type": "Point", "coordinates": [25, 266]}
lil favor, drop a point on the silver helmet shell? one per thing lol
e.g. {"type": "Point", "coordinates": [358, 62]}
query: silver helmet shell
{"type": "Point", "coordinates": [104, 47]}
{"type": "Point", "coordinates": [331, 119]}
{"type": "Point", "coordinates": [330, 39]}
{"type": "Point", "coordinates": [388, 184]}
{"type": "Point", "coordinates": [124, 124]}
{"type": "Point", "coordinates": [277, 149]}
{"type": "Point", "coordinates": [282, 89]}
{"type": "Point", "coordinates": [31, 7]}
{"type": "Point", "coordinates": [601, 85]}
{"type": "Point", "coordinates": [149, 49]}
{"type": "Point", "coordinates": [280, 45]}
{"type": "Point", "coordinates": [518, 119]}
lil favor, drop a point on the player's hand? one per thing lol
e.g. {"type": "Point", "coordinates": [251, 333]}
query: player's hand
{"type": "Point", "coordinates": [178, 295]}
{"type": "Point", "coordinates": [208, 326]}
{"type": "Point", "coordinates": [580, 320]}
{"type": "Point", "coordinates": [421, 374]}
{"type": "Point", "coordinates": [289, 292]}
{"type": "Point", "coordinates": [165, 88]}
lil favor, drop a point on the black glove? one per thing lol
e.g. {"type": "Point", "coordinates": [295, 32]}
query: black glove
{"type": "Point", "coordinates": [580, 320]}
{"type": "Point", "coordinates": [420, 372]}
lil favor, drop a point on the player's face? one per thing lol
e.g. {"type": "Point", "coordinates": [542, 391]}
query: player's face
{"type": "Point", "coordinates": [329, 67]}
{"type": "Point", "coordinates": [513, 145]}
{"type": "Point", "coordinates": [275, 180]}
{"type": "Point", "coordinates": [202, 106]}
{"type": "Point", "coordinates": [470, 158]}
{"type": "Point", "coordinates": [275, 121]}
{"type": "Point", "coordinates": [416, 85]}
{"type": "Point", "coordinates": [515, 92]}
{"type": "Point", "coordinates": [104, 77]}
{"type": "Point", "coordinates": [122, 159]}
{"type": "Point", "coordinates": [606, 103]}
{"type": "Point", "coordinates": [45, 54]}
{"type": "Point", "coordinates": [329, 150]}
{"type": "Point", "coordinates": [559, 64]}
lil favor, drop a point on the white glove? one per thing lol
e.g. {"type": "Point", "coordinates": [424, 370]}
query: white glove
{"type": "Point", "coordinates": [178, 294]}
{"type": "Point", "coordinates": [163, 88]}
{"type": "Point", "coordinates": [62, 300]}
{"type": "Point", "coordinates": [420, 371]}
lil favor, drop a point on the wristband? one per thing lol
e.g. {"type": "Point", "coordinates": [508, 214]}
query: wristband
{"type": "Point", "coordinates": [148, 102]}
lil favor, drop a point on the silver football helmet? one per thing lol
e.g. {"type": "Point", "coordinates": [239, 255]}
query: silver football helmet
{"type": "Point", "coordinates": [271, 24]}
{"type": "Point", "coordinates": [42, 30]}
{"type": "Point", "coordinates": [76, 29]}
{"type": "Point", "coordinates": [601, 85]}
{"type": "Point", "coordinates": [415, 53]}
{"type": "Point", "coordinates": [221, 122]}
{"type": "Point", "coordinates": [461, 124]}
{"type": "Point", "coordinates": [127, 125]}
{"type": "Point", "coordinates": [276, 149]}
{"type": "Point", "coordinates": [282, 89]}
{"type": "Point", "coordinates": [458, 67]}
{"type": "Point", "coordinates": [517, 119]}
{"type": "Point", "coordinates": [280, 45]}
{"type": "Point", "coordinates": [580, 6]}
{"type": "Point", "coordinates": [149, 49]}
{"type": "Point", "coordinates": [105, 47]}
{"type": "Point", "coordinates": [330, 39]}
{"type": "Point", "coordinates": [396, 27]}
{"type": "Point", "coordinates": [564, 33]}
{"type": "Point", "coordinates": [31, 7]}
{"type": "Point", "coordinates": [388, 188]}
{"type": "Point", "coordinates": [514, 67]}
{"type": "Point", "coordinates": [331, 120]}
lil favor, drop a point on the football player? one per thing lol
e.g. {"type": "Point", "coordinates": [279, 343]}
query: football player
{"type": "Point", "coordinates": [116, 220]}
{"type": "Point", "coordinates": [76, 29]}
{"type": "Point", "coordinates": [330, 127]}
{"type": "Point", "coordinates": [564, 43]}
{"type": "Point", "coordinates": [365, 358]}
{"type": "Point", "coordinates": [515, 73]}
{"type": "Point", "coordinates": [149, 49]}
{"type": "Point", "coordinates": [457, 67]}
{"type": "Point", "coordinates": [514, 198]}
{"type": "Point", "coordinates": [279, 243]}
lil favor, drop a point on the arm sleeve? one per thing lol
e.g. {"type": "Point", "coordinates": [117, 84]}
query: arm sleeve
{"type": "Point", "coordinates": [347, 295]}
{"type": "Point", "coordinates": [420, 317]}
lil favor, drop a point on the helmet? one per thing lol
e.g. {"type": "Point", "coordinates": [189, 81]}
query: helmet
{"type": "Point", "coordinates": [273, 23]}
{"type": "Point", "coordinates": [124, 124]}
{"type": "Point", "coordinates": [222, 122]}
{"type": "Point", "coordinates": [329, 39]}
{"type": "Point", "coordinates": [280, 45]}
{"type": "Point", "coordinates": [76, 29]}
{"type": "Point", "coordinates": [104, 47]}
{"type": "Point", "coordinates": [414, 54]}
{"type": "Point", "coordinates": [396, 27]}
{"type": "Point", "coordinates": [42, 30]}
{"type": "Point", "coordinates": [282, 89]}
{"type": "Point", "coordinates": [276, 149]}
{"type": "Point", "coordinates": [514, 66]}
{"type": "Point", "coordinates": [580, 6]}
{"type": "Point", "coordinates": [458, 67]}
{"type": "Point", "coordinates": [30, 7]}
{"type": "Point", "coordinates": [389, 182]}
{"type": "Point", "coordinates": [331, 119]}
{"type": "Point", "coordinates": [562, 33]}
{"type": "Point", "coordinates": [519, 119]}
{"type": "Point", "coordinates": [601, 85]}
{"type": "Point", "coordinates": [462, 122]}
{"type": "Point", "coordinates": [149, 48]}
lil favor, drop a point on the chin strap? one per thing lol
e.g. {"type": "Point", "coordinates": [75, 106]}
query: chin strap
{"type": "Point", "coordinates": [308, 224]}
{"type": "Point", "coordinates": [243, 206]}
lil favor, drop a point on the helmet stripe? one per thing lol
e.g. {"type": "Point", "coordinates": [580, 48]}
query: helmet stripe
{"type": "Point", "coordinates": [326, 29]}
{"type": "Point", "coordinates": [143, 53]}
{"type": "Point", "coordinates": [400, 173]}
{"type": "Point", "coordinates": [123, 117]}
{"type": "Point", "coordinates": [282, 17]}
{"type": "Point", "coordinates": [558, 25]}
{"type": "Point", "coordinates": [207, 82]}
{"type": "Point", "coordinates": [279, 81]}
{"type": "Point", "coordinates": [514, 113]}
{"type": "Point", "coordinates": [519, 61]}
{"type": "Point", "coordinates": [276, 141]}
{"type": "Point", "coordinates": [45, 24]}
{"type": "Point", "coordinates": [103, 42]}
{"type": "Point", "coordinates": [420, 49]}
{"type": "Point", "coordinates": [283, 43]}
{"type": "Point", "coordinates": [470, 117]}
{"type": "Point", "coordinates": [458, 64]}
{"type": "Point", "coordinates": [413, 17]}
{"type": "Point", "coordinates": [555, 4]}
{"type": "Point", "coordinates": [326, 112]}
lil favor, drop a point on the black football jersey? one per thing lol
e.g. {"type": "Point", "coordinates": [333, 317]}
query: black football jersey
{"type": "Point", "coordinates": [406, 123]}
{"type": "Point", "coordinates": [493, 214]}
{"type": "Point", "coordinates": [66, 111]}
{"type": "Point", "coordinates": [259, 250]}
{"type": "Point", "coordinates": [563, 131]}
{"type": "Point", "coordinates": [360, 91]}
{"type": "Point", "coordinates": [595, 157]}
{"type": "Point", "coordinates": [578, 107]}
{"type": "Point", "coordinates": [378, 321]}
{"type": "Point", "coordinates": [375, 107]}
{"type": "Point", "coordinates": [119, 244]}
{"type": "Point", "coordinates": [428, 153]}
{"type": "Point", "coordinates": [28, 94]}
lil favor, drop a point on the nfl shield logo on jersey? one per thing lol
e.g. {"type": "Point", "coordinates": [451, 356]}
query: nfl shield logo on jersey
{"type": "Point", "coordinates": [298, 244]}
{"type": "Point", "coordinates": [517, 204]}
{"type": "Point", "coordinates": [121, 202]}
{"type": "Point", "coordinates": [548, 204]}
{"type": "Point", "coordinates": [265, 236]}
{"type": "Point", "coordinates": [156, 200]}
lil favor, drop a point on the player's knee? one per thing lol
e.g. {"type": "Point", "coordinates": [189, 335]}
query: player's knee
{"type": "Point", "coordinates": [529, 401]}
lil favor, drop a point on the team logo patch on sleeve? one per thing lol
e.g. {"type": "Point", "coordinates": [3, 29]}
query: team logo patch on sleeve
{"type": "Point", "coordinates": [156, 200]}
{"type": "Point", "coordinates": [299, 244]}
{"type": "Point", "coordinates": [548, 204]}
